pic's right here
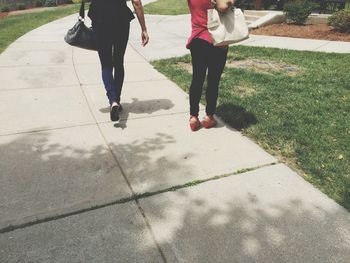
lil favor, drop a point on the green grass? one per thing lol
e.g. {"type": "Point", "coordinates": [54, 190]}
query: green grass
{"type": "Point", "coordinates": [303, 119]}
{"type": "Point", "coordinates": [13, 27]}
{"type": "Point", "coordinates": [167, 7]}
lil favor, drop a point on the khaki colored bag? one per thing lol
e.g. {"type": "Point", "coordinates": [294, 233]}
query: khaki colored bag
{"type": "Point", "coordinates": [227, 28]}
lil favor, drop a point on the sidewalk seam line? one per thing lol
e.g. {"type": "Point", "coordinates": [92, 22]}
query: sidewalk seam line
{"type": "Point", "coordinates": [120, 168]}
{"type": "Point", "coordinates": [85, 86]}
{"type": "Point", "coordinates": [324, 44]}
{"type": "Point", "coordinates": [136, 197]}
{"type": "Point", "coordinates": [41, 88]}
{"type": "Point", "coordinates": [90, 124]}
{"type": "Point", "coordinates": [52, 65]}
{"type": "Point", "coordinates": [38, 65]}
{"type": "Point", "coordinates": [141, 55]}
{"type": "Point", "coordinates": [45, 130]}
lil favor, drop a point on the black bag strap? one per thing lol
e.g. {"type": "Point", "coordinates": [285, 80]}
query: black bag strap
{"type": "Point", "coordinates": [82, 11]}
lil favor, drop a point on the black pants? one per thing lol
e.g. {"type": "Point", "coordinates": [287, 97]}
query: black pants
{"type": "Point", "coordinates": [112, 40]}
{"type": "Point", "coordinates": [205, 57]}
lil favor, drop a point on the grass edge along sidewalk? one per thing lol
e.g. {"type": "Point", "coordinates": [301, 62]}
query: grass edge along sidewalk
{"type": "Point", "coordinates": [13, 27]}
{"type": "Point", "coordinates": [167, 7]}
{"type": "Point", "coordinates": [297, 108]}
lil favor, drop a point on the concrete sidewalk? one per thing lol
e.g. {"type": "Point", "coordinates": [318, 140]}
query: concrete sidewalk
{"type": "Point", "coordinates": [169, 34]}
{"type": "Point", "coordinates": [75, 187]}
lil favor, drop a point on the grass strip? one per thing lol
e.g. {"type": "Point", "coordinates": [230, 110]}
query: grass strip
{"type": "Point", "coordinates": [295, 104]}
{"type": "Point", "coordinates": [13, 27]}
{"type": "Point", "coordinates": [167, 7]}
{"type": "Point", "coordinates": [43, 219]}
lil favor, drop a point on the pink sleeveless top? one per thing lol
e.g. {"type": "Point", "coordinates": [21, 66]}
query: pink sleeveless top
{"type": "Point", "coordinates": [199, 19]}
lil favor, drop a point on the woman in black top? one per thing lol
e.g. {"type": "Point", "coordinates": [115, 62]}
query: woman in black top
{"type": "Point", "coordinates": [111, 24]}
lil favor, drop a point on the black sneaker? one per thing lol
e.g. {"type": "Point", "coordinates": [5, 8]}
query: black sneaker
{"type": "Point", "coordinates": [115, 113]}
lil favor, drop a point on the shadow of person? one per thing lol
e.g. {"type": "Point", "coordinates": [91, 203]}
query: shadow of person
{"type": "Point", "coordinates": [236, 116]}
{"type": "Point", "coordinates": [140, 107]}
{"type": "Point", "coordinates": [147, 106]}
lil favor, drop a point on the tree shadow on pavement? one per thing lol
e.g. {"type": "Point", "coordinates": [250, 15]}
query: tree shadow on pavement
{"type": "Point", "coordinates": [195, 226]}
{"type": "Point", "coordinates": [64, 179]}
{"type": "Point", "coordinates": [46, 172]}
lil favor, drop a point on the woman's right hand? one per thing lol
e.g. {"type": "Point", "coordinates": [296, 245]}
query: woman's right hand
{"type": "Point", "coordinates": [223, 5]}
{"type": "Point", "coordinates": [145, 38]}
{"type": "Point", "coordinates": [141, 17]}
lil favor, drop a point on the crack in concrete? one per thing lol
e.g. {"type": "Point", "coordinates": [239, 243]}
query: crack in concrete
{"type": "Point", "coordinates": [120, 167]}
{"type": "Point", "coordinates": [87, 206]}
{"type": "Point", "coordinates": [91, 123]}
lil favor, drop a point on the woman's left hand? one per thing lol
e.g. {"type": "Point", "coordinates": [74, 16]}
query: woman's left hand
{"type": "Point", "coordinates": [223, 5]}
{"type": "Point", "coordinates": [144, 37]}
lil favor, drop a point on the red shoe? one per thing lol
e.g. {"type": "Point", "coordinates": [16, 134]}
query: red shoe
{"type": "Point", "coordinates": [195, 124]}
{"type": "Point", "coordinates": [209, 122]}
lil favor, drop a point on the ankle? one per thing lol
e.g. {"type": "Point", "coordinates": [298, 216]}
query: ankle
{"type": "Point", "coordinates": [193, 118]}
{"type": "Point", "coordinates": [209, 121]}
{"type": "Point", "coordinates": [209, 117]}
{"type": "Point", "coordinates": [114, 103]}
{"type": "Point", "coordinates": [194, 123]}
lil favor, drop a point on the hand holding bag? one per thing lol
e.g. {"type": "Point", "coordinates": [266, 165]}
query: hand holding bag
{"type": "Point", "coordinates": [80, 35]}
{"type": "Point", "coordinates": [227, 28]}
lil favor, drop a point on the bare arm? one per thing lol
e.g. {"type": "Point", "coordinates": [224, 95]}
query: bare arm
{"type": "Point", "coordinates": [224, 5]}
{"type": "Point", "coordinates": [141, 17]}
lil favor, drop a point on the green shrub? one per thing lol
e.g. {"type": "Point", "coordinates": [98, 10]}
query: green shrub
{"type": "Point", "coordinates": [245, 4]}
{"type": "Point", "coordinates": [5, 8]}
{"type": "Point", "coordinates": [21, 6]}
{"type": "Point", "coordinates": [340, 21]}
{"type": "Point", "coordinates": [268, 3]}
{"type": "Point", "coordinates": [347, 6]}
{"type": "Point", "coordinates": [273, 4]}
{"type": "Point", "coordinates": [298, 11]}
{"type": "Point", "coordinates": [38, 3]}
{"type": "Point", "coordinates": [50, 3]}
{"type": "Point", "coordinates": [280, 4]}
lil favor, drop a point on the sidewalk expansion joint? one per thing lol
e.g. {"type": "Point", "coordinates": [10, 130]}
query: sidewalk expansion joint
{"type": "Point", "coordinates": [35, 220]}
{"type": "Point", "coordinates": [38, 130]}
{"type": "Point", "coordinates": [119, 166]}
{"type": "Point", "coordinates": [49, 65]}
{"type": "Point", "coordinates": [139, 53]}
{"type": "Point", "coordinates": [41, 88]}
{"type": "Point", "coordinates": [322, 45]}
{"type": "Point", "coordinates": [85, 85]}
{"type": "Point", "coordinates": [95, 85]}
{"type": "Point", "coordinates": [201, 181]}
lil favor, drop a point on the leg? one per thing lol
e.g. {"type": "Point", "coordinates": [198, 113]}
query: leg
{"type": "Point", "coordinates": [216, 66]}
{"type": "Point", "coordinates": [104, 45]}
{"type": "Point", "coordinates": [199, 50]}
{"type": "Point", "coordinates": [119, 48]}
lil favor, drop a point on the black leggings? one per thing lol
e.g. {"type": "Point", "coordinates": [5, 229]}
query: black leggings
{"type": "Point", "coordinates": [112, 40]}
{"type": "Point", "coordinates": [206, 56]}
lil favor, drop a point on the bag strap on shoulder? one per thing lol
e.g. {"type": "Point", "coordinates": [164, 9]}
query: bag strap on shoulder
{"type": "Point", "coordinates": [82, 11]}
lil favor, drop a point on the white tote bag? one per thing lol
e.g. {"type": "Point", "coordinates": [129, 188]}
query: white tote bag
{"type": "Point", "coordinates": [227, 28]}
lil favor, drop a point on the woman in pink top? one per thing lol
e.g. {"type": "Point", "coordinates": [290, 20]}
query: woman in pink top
{"type": "Point", "coordinates": [205, 57]}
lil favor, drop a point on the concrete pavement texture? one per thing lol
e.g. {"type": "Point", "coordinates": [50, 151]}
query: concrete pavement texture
{"type": "Point", "coordinates": [168, 36]}
{"type": "Point", "coordinates": [111, 234]}
{"type": "Point", "coordinates": [258, 216]}
{"type": "Point", "coordinates": [75, 187]}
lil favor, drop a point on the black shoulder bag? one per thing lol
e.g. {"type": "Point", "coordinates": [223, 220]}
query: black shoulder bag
{"type": "Point", "coordinates": [80, 35]}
